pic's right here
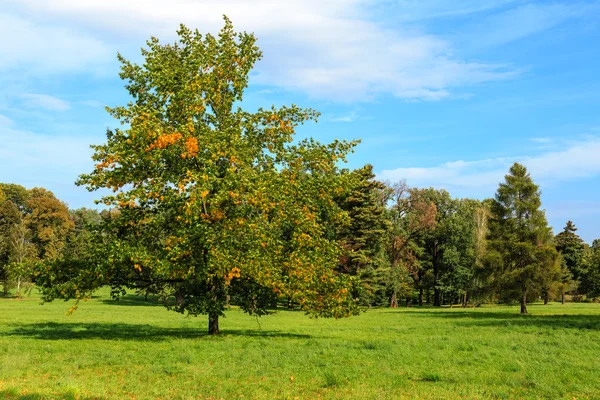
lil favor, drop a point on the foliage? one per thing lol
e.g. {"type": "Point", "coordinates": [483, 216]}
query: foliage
{"type": "Point", "coordinates": [410, 216]}
{"type": "Point", "coordinates": [212, 199]}
{"type": "Point", "coordinates": [522, 257]}
{"type": "Point", "coordinates": [49, 223]}
{"type": "Point", "coordinates": [362, 240]}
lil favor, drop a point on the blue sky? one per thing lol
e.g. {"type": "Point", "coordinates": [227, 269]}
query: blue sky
{"type": "Point", "coordinates": [443, 93]}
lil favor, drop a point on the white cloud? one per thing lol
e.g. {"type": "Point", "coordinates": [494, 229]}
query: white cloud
{"type": "Point", "coordinates": [542, 140]}
{"type": "Point", "coordinates": [5, 121]}
{"type": "Point", "coordinates": [578, 160]}
{"type": "Point", "coordinates": [46, 102]}
{"type": "Point", "coordinates": [91, 103]}
{"type": "Point", "coordinates": [519, 22]}
{"type": "Point", "coordinates": [52, 161]}
{"type": "Point", "coordinates": [327, 49]}
{"type": "Point", "coordinates": [29, 47]}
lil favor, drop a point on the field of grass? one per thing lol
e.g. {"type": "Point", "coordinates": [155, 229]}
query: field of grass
{"type": "Point", "coordinates": [136, 350]}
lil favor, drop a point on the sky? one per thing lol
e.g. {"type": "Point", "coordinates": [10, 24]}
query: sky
{"type": "Point", "coordinates": [442, 93]}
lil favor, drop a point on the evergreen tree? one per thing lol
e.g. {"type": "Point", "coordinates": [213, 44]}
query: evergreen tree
{"type": "Point", "coordinates": [362, 239]}
{"type": "Point", "coordinates": [592, 262]}
{"type": "Point", "coordinates": [571, 246]}
{"type": "Point", "coordinates": [522, 256]}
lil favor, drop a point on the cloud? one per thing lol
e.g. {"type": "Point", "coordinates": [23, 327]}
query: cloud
{"type": "Point", "coordinates": [47, 48]}
{"type": "Point", "coordinates": [92, 103]}
{"type": "Point", "coordinates": [326, 49]}
{"type": "Point", "coordinates": [46, 102]}
{"type": "Point", "coordinates": [520, 22]}
{"type": "Point", "coordinates": [578, 160]}
{"type": "Point", "coordinates": [542, 140]}
{"type": "Point", "coordinates": [52, 161]}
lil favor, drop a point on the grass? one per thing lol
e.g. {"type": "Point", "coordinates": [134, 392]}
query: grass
{"type": "Point", "coordinates": [133, 349]}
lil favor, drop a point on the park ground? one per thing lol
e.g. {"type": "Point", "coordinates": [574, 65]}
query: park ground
{"type": "Point", "coordinates": [137, 350]}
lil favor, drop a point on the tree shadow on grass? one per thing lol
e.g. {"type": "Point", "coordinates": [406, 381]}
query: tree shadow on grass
{"type": "Point", "coordinates": [132, 301]}
{"type": "Point", "coordinates": [487, 318]}
{"type": "Point", "coordinates": [119, 331]}
{"type": "Point", "coordinates": [15, 395]}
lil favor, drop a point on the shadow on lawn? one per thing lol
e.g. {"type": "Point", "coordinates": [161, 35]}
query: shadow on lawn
{"type": "Point", "coordinates": [14, 395]}
{"type": "Point", "coordinates": [132, 301]}
{"type": "Point", "coordinates": [69, 331]}
{"type": "Point", "coordinates": [486, 318]}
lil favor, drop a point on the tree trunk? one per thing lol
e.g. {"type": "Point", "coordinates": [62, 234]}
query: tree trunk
{"type": "Point", "coordinates": [19, 286]}
{"type": "Point", "coordinates": [394, 302]}
{"type": "Point", "coordinates": [437, 293]}
{"type": "Point", "coordinates": [546, 300]}
{"type": "Point", "coordinates": [524, 304]}
{"type": "Point", "coordinates": [420, 297]}
{"type": "Point", "coordinates": [213, 324]}
{"type": "Point", "coordinates": [464, 300]}
{"type": "Point", "coordinates": [564, 298]}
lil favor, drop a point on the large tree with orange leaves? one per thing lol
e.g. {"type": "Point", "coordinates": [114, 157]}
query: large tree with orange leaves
{"type": "Point", "coordinates": [213, 200]}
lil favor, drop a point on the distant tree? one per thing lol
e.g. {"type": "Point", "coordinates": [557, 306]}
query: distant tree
{"type": "Point", "coordinates": [411, 215]}
{"type": "Point", "coordinates": [522, 256]}
{"type": "Point", "coordinates": [85, 222]}
{"type": "Point", "coordinates": [480, 283]}
{"type": "Point", "coordinates": [459, 250]}
{"type": "Point", "coordinates": [571, 247]}
{"type": "Point", "coordinates": [362, 239]}
{"type": "Point", "coordinates": [213, 200]}
{"type": "Point", "coordinates": [49, 223]}
{"type": "Point", "coordinates": [13, 199]}
{"type": "Point", "coordinates": [434, 242]}
{"type": "Point", "coordinates": [22, 254]}
{"type": "Point", "coordinates": [592, 261]}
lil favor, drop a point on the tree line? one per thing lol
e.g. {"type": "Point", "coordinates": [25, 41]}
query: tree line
{"type": "Point", "coordinates": [423, 246]}
{"type": "Point", "coordinates": [212, 205]}
{"type": "Point", "coordinates": [410, 246]}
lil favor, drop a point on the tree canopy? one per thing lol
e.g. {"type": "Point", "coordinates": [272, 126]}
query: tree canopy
{"type": "Point", "coordinates": [522, 256]}
{"type": "Point", "coordinates": [212, 200]}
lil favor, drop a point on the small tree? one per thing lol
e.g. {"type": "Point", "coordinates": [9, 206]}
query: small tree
{"type": "Point", "coordinates": [22, 255]}
{"type": "Point", "coordinates": [212, 200]}
{"type": "Point", "coordinates": [522, 256]}
{"type": "Point", "coordinates": [13, 199]}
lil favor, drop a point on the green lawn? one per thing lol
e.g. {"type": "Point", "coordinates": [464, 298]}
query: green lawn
{"type": "Point", "coordinates": [132, 349]}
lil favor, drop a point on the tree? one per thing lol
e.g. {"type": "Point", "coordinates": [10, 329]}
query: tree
{"type": "Point", "coordinates": [212, 200]}
{"type": "Point", "coordinates": [13, 200]}
{"type": "Point", "coordinates": [362, 239]}
{"type": "Point", "coordinates": [592, 262]}
{"type": "Point", "coordinates": [480, 285]}
{"type": "Point", "coordinates": [572, 249]}
{"type": "Point", "coordinates": [458, 248]}
{"type": "Point", "coordinates": [522, 256]}
{"type": "Point", "coordinates": [433, 242]}
{"type": "Point", "coordinates": [85, 221]}
{"type": "Point", "coordinates": [411, 215]}
{"type": "Point", "coordinates": [49, 223]}
{"type": "Point", "coordinates": [22, 253]}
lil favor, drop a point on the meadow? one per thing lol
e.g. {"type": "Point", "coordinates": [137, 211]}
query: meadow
{"type": "Point", "coordinates": [134, 349]}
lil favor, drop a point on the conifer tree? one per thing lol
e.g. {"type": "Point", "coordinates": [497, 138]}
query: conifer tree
{"type": "Point", "coordinates": [571, 247]}
{"type": "Point", "coordinates": [522, 256]}
{"type": "Point", "coordinates": [363, 239]}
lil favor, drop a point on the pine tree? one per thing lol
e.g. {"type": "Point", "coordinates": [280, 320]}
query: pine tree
{"type": "Point", "coordinates": [363, 239]}
{"type": "Point", "coordinates": [522, 256]}
{"type": "Point", "coordinates": [571, 247]}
